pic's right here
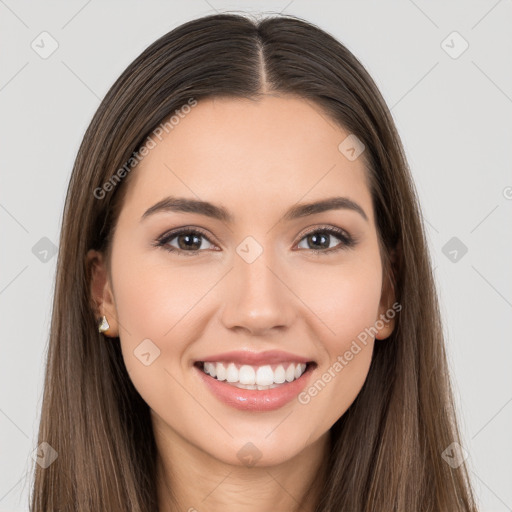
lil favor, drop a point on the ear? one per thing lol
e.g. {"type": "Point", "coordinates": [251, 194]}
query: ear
{"type": "Point", "coordinates": [101, 291]}
{"type": "Point", "coordinates": [385, 323]}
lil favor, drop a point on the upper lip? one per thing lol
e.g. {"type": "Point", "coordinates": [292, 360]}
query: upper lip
{"type": "Point", "coordinates": [256, 358]}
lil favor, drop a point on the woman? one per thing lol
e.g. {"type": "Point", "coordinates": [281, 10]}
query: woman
{"type": "Point", "coordinates": [245, 315]}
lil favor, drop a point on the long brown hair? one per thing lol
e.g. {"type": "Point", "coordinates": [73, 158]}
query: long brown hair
{"type": "Point", "coordinates": [387, 448]}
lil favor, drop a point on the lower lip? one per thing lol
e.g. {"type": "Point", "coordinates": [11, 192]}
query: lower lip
{"type": "Point", "coordinates": [254, 400]}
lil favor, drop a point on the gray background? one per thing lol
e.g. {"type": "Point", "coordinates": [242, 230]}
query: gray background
{"type": "Point", "coordinates": [454, 117]}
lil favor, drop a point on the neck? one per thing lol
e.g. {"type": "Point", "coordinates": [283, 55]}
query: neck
{"type": "Point", "coordinates": [191, 480]}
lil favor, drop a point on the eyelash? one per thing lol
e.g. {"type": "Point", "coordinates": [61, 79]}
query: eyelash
{"type": "Point", "coordinates": [347, 241]}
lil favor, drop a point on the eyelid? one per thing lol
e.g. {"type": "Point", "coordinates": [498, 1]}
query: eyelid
{"type": "Point", "coordinates": [347, 241]}
{"type": "Point", "coordinates": [324, 227]}
{"type": "Point", "coordinates": [168, 235]}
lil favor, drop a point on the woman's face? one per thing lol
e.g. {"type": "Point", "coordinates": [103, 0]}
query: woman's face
{"type": "Point", "coordinates": [250, 283]}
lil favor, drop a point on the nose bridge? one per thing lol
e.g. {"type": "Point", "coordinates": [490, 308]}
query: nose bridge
{"type": "Point", "coordinates": [256, 299]}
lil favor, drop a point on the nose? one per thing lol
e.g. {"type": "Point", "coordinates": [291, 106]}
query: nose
{"type": "Point", "coordinates": [257, 297]}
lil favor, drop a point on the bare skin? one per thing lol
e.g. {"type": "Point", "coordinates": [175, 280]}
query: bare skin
{"type": "Point", "coordinates": [257, 159]}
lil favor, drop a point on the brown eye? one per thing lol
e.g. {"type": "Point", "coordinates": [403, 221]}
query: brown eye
{"type": "Point", "coordinates": [192, 241]}
{"type": "Point", "coordinates": [320, 240]}
{"type": "Point", "coordinates": [186, 240]}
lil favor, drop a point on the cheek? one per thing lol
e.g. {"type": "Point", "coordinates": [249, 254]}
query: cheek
{"type": "Point", "coordinates": [344, 298]}
{"type": "Point", "coordinates": [153, 296]}
{"type": "Point", "coordinates": [163, 303]}
{"type": "Point", "coordinates": [152, 305]}
{"type": "Point", "coordinates": [345, 302]}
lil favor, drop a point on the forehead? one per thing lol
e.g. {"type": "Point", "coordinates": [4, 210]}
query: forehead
{"type": "Point", "coordinates": [250, 153]}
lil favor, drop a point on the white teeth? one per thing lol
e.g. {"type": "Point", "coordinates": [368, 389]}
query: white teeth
{"type": "Point", "coordinates": [290, 373]}
{"type": "Point", "coordinates": [264, 376]}
{"type": "Point", "coordinates": [210, 368]}
{"type": "Point", "coordinates": [255, 386]}
{"type": "Point", "coordinates": [221, 371]}
{"type": "Point", "coordinates": [247, 375]}
{"type": "Point", "coordinates": [232, 373]}
{"type": "Point", "coordinates": [279, 375]}
{"type": "Point", "coordinates": [255, 377]}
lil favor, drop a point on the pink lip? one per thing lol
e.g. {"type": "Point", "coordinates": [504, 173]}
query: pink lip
{"type": "Point", "coordinates": [256, 358]}
{"type": "Point", "coordinates": [254, 400]}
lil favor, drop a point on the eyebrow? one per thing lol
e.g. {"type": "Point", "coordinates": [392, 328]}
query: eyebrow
{"type": "Point", "coordinates": [185, 205]}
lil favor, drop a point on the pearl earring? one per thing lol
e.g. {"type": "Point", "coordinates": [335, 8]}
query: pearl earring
{"type": "Point", "coordinates": [103, 326]}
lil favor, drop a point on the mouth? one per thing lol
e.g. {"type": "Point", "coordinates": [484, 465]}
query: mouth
{"type": "Point", "coordinates": [252, 377]}
{"type": "Point", "coordinates": [249, 387]}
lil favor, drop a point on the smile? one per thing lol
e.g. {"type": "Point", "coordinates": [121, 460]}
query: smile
{"type": "Point", "coordinates": [254, 377]}
{"type": "Point", "coordinates": [255, 388]}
